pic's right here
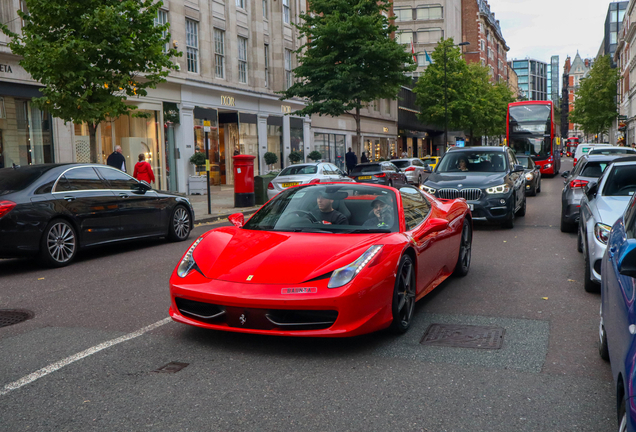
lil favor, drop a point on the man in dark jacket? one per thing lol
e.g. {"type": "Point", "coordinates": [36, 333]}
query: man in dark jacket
{"type": "Point", "coordinates": [117, 160]}
{"type": "Point", "coordinates": [351, 160]}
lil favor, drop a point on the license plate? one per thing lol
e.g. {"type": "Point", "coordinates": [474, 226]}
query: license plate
{"type": "Point", "coordinates": [286, 185]}
{"type": "Point", "coordinates": [471, 207]}
{"type": "Point", "coordinates": [364, 178]}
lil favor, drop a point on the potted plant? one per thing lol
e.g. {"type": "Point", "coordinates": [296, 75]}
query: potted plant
{"type": "Point", "coordinates": [270, 159]}
{"type": "Point", "coordinates": [315, 156]}
{"type": "Point", "coordinates": [198, 160]}
{"type": "Point", "coordinates": [295, 156]}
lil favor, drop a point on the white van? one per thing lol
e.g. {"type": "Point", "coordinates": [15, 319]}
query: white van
{"type": "Point", "coordinates": [584, 148]}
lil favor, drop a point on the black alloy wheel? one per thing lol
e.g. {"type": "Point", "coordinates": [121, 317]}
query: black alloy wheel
{"type": "Point", "coordinates": [180, 224]}
{"type": "Point", "coordinates": [510, 222]}
{"type": "Point", "coordinates": [403, 303]}
{"type": "Point", "coordinates": [589, 285]}
{"type": "Point", "coordinates": [603, 351]}
{"type": "Point", "coordinates": [465, 248]}
{"type": "Point", "coordinates": [539, 186]}
{"type": "Point", "coordinates": [59, 243]}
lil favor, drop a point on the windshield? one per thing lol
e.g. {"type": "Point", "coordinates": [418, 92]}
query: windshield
{"type": "Point", "coordinates": [475, 161]}
{"type": "Point", "coordinates": [525, 162]}
{"type": "Point", "coordinates": [530, 129]}
{"type": "Point", "coordinates": [611, 151]}
{"type": "Point", "coordinates": [401, 164]}
{"type": "Point", "coordinates": [429, 160]}
{"type": "Point", "coordinates": [343, 209]}
{"type": "Point", "coordinates": [299, 170]}
{"type": "Point", "coordinates": [12, 180]}
{"type": "Point", "coordinates": [621, 181]}
{"type": "Point", "coordinates": [359, 169]}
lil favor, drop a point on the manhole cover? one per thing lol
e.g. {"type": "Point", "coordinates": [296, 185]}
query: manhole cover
{"type": "Point", "coordinates": [172, 367]}
{"type": "Point", "coordinates": [464, 336]}
{"type": "Point", "coordinates": [14, 316]}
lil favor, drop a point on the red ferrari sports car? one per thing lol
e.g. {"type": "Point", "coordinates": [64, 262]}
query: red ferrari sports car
{"type": "Point", "coordinates": [334, 259]}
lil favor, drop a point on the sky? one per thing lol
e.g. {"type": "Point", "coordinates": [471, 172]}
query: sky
{"type": "Point", "coordinates": [540, 29]}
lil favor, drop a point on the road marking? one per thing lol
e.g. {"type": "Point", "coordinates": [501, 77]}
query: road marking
{"type": "Point", "coordinates": [75, 357]}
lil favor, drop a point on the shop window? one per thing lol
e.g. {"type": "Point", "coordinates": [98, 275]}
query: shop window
{"type": "Point", "coordinates": [192, 45]}
{"type": "Point", "coordinates": [214, 155]}
{"type": "Point", "coordinates": [275, 140]}
{"type": "Point", "coordinates": [248, 139]}
{"type": "Point", "coordinates": [27, 137]}
{"type": "Point", "coordinates": [296, 135]}
{"type": "Point", "coordinates": [219, 53]}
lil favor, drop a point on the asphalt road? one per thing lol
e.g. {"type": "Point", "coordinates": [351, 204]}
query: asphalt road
{"type": "Point", "coordinates": [86, 360]}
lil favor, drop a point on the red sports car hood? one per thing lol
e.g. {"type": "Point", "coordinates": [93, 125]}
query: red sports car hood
{"type": "Point", "coordinates": [239, 255]}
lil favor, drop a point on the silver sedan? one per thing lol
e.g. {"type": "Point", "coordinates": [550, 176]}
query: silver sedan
{"type": "Point", "coordinates": [416, 171]}
{"type": "Point", "coordinates": [318, 172]}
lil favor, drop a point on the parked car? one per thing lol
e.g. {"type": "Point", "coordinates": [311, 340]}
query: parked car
{"type": "Point", "coordinates": [613, 150]}
{"type": "Point", "coordinates": [589, 169]}
{"type": "Point", "coordinates": [416, 171]}
{"type": "Point", "coordinates": [584, 148]}
{"type": "Point", "coordinates": [383, 173]}
{"type": "Point", "coordinates": [289, 271]}
{"type": "Point", "coordinates": [493, 182]}
{"type": "Point", "coordinates": [532, 172]}
{"type": "Point", "coordinates": [603, 203]}
{"type": "Point", "coordinates": [617, 325]}
{"type": "Point", "coordinates": [319, 172]}
{"type": "Point", "coordinates": [54, 210]}
{"type": "Point", "coordinates": [431, 161]}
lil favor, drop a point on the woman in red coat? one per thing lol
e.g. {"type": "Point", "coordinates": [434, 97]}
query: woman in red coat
{"type": "Point", "coordinates": [143, 170]}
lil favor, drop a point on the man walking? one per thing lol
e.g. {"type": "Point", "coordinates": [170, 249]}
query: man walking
{"type": "Point", "coordinates": [351, 160]}
{"type": "Point", "coordinates": [117, 159]}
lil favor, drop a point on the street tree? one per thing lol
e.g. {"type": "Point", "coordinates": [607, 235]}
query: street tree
{"type": "Point", "coordinates": [349, 59]}
{"type": "Point", "coordinates": [92, 55]}
{"type": "Point", "coordinates": [595, 105]}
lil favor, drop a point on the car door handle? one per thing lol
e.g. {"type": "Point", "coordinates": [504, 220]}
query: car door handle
{"type": "Point", "coordinates": [69, 198]}
{"type": "Point", "coordinates": [123, 195]}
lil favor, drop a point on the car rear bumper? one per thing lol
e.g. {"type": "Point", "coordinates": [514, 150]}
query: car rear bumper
{"type": "Point", "coordinates": [19, 239]}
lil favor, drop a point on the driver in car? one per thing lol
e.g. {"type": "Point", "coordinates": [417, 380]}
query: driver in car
{"type": "Point", "coordinates": [327, 214]}
{"type": "Point", "coordinates": [382, 214]}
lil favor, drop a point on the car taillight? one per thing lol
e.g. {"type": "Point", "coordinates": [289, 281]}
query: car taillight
{"type": "Point", "coordinates": [380, 175]}
{"type": "Point", "coordinates": [575, 159]}
{"type": "Point", "coordinates": [410, 169]}
{"type": "Point", "coordinates": [352, 177]}
{"type": "Point", "coordinates": [314, 181]}
{"type": "Point", "coordinates": [6, 207]}
{"type": "Point", "coordinates": [578, 184]}
{"type": "Point", "coordinates": [270, 186]}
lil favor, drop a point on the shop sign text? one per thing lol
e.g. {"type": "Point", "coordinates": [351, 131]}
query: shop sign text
{"type": "Point", "coordinates": [286, 109]}
{"type": "Point", "coordinates": [5, 68]}
{"type": "Point", "coordinates": [227, 101]}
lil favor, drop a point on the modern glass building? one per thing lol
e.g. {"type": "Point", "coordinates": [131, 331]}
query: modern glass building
{"type": "Point", "coordinates": [532, 77]}
{"type": "Point", "coordinates": [553, 79]}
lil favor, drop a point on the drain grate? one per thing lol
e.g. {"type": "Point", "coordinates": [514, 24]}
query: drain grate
{"type": "Point", "coordinates": [463, 336]}
{"type": "Point", "coordinates": [14, 316]}
{"type": "Point", "coordinates": [172, 367]}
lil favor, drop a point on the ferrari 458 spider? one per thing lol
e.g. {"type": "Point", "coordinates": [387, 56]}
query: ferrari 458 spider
{"type": "Point", "coordinates": [335, 259]}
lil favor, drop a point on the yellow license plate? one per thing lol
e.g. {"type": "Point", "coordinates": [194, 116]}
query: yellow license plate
{"type": "Point", "coordinates": [364, 178]}
{"type": "Point", "coordinates": [290, 184]}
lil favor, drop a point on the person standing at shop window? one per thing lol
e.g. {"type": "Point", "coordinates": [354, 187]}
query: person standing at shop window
{"type": "Point", "coordinates": [143, 170]}
{"type": "Point", "coordinates": [117, 159]}
{"type": "Point", "coordinates": [351, 160]}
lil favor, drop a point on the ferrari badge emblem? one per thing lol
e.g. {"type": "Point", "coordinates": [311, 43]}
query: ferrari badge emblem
{"type": "Point", "coordinates": [242, 319]}
{"type": "Point", "coordinates": [249, 278]}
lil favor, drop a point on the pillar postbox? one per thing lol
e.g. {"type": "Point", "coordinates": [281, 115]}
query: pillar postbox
{"type": "Point", "coordinates": [243, 180]}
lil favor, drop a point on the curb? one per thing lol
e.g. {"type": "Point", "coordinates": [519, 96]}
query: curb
{"type": "Point", "coordinates": [223, 216]}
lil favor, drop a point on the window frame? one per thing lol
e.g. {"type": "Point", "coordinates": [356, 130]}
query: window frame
{"type": "Point", "coordinates": [242, 60]}
{"type": "Point", "coordinates": [192, 35]}
{"type": "Point", "coordinates": [163, 13]}
{"type": "Point", "coordinates": [266, 55]}
{"type": "Point", "coordinates": [219, 53]}
{"type": "Point", "coordinates": [288, 69]}
{"type": "Point", "coordinates": [286, 11]}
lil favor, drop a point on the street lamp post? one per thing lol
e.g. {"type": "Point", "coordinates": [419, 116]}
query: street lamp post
{"type": "Point", "coordinates": [446, 94]}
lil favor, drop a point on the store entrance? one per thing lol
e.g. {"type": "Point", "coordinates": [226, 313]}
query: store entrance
{"type": "Point", "coordinates": [228, 144]}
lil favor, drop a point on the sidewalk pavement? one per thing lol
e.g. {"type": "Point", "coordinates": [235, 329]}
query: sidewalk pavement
{"type": "Point", "coordinates": [222, 198]}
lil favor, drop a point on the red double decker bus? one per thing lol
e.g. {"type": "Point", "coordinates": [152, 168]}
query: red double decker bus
{"type": "Point", "coordinates": [570, 148]}
{"type": "Point", "coordinates": [530, 131]}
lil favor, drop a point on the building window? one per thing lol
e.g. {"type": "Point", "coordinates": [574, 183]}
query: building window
{"type": "Point", "coordinates": [162, 19]}
{"type": "Point", "coordinates": [483, 45]}
{"type": "Point", "coordinates": [421, 60]}
{"type": "Point", "coordinates": [219, 53]}
{"type": "Point", "coordinates": [240, 4]}
{"type": "Point", "coordinates": [242, 59]}
{"type": "Point", "coordinates": [192, 45]}
{"type": "Point", "coordinates": [266, 53]}
{"type": "Point", "coordinates": [23, 8]}
{"type": "Point", "coordinates": [429, 13]}
{"type": "Point", "coordinates": [288, 69]}
{"type": "Point", "coordinates": [388, 106]}
{"type": "Point", "coordinates": [265, 11]}
{"type": "Point", "coordinates": [428, 36]}
{"type": "Point", "coordinates": [286, 11]}
{"type": "Point", "coordinates": [404, 37]}
{"type": "Point", "coordinates": [403, 14]}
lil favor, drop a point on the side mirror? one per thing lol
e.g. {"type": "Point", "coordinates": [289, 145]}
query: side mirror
{"type": "Point", "coordinates": [428, 169]}
{"type": "Point", "coordinates": [518, 168]}
{"type": "Point", "coordinates": [590, 190]}
{"type": "Point", "coordinates": [237, 219]}
{"type": "Point", "coordinates": [626, 261]}
{"type": "Point", "coordinates": [142, 187]}
{"type": "Point", "coordinates": [565, 174]}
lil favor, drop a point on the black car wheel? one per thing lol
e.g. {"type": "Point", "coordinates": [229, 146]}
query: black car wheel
{"type": "Point", "coordinates": [539, 186]}
{"type": "Point", "coordinates": [403, 303]}
{"type": "Point", "coordinates": [579, 240]}
{"type": "Point", "coordinates": [59, 243]}
{"type": "Point", "coordinates": [180, 224]}
{"type": "Point", "coordinates": [589, 285]}
{"type": "Point", "coordinates": [465, 247]}
{"type": "Point", "coordinates": [603, 351]}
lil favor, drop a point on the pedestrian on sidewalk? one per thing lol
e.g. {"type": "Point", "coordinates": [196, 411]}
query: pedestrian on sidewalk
{"type": "Point", "coordinates": [117, 159]}
{"type": "Point", "coordinates": [143, 170]}
{"type": "Point", "coordinates": [364, 158]}
{"type": "Point", "coordinates": [351, 160]}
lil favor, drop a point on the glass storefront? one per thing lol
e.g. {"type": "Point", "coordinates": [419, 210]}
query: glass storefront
{"type": "Point", "coordinates": [214, 154]}
{"type": "Point", "coordinates": [331, 147]}
{"type": "Point", "coordinates": [275, 140]}
{"type": "Point", "coordinates": [248, 138]}
{"type": "Point", "coordinates": [296, 136]}
{"type": "Point", "coordinates": [26, 133]}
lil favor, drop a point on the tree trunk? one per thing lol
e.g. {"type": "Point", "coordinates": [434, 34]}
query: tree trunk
{"type": "Point", "coordinates": [92, 132]}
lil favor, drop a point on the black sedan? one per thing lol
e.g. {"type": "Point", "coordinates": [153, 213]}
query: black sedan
{"type": "Point", "coordinates": [489, 178]}
{"type": "Point", "coordinates": [384, 173]}
{"type": "Point", "coordinates": [532, 172]}
{"type": "Point", "coordinates": [53, 210]}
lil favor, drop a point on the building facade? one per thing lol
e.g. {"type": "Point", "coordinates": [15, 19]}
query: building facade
{"type": "Point", "coordinates": [487, 45]}
{"type": "Point", "coordinates": [578, 69]}
{"type": "Point", "coordinates": [532, 77]}
{"type": "Point", "coordinates": [565, 100]}
{"type": "Point", "coordinates": [613, 26]}
{"type": "Point", "coordinates": [624, 60]}
{"type": "Point", "coordinates": [553, 80]}
{"type": "Point", "coordinates": [513, 83]}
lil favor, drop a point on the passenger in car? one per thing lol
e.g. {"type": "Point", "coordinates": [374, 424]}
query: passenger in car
{"type": "Point", "coordinates": [382, 214]}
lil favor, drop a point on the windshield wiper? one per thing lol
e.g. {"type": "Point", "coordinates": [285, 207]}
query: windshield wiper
{"type": "Point", "coordinates": [369, 231]}
{"type": "Point", "coordinates": [305, 230]}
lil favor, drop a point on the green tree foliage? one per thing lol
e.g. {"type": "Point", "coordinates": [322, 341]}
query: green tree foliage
{"type": "Point", "coordinates": [92, 55]}
{"type": "Point", "coordinates": [349, 58]}
{"type": "Point", "coordinates": [315, 155]}
{"type": "Point", "coordinates": [295, 156]}
{"type": "Point", "coordinates": [595, 104]}
{"type": "Point", "coordinates": [270, 158]}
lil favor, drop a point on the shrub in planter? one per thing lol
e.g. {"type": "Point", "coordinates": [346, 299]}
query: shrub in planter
{"type": "Point", "coordinates": [315, 155]}
{"type": "Point", "coordinates": [198, 160]}
{"type": "Point", "coordinates": [270, 158]}
{"type": "Point", "coordinates": [295, 157]}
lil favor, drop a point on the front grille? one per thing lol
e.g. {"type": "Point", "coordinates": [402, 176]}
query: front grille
{"type": "Point", "coordinates": [472, 194]}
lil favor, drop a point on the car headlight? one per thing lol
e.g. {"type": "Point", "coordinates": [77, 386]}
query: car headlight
{"type": "Point", "coordinates": [548, 166]}
{"type": "Point", "coordinates": [529, 176]}
{"type": "Point", "coordinates": [345, 274]}
{"type": "Point", "coordinates": [187, 263]}
{"type": "Point", "coordinates": [602, 232]}
{"type": "Point", "coordinates": [501, 189]}
{"type": "Point", "coordinates": [428, 189]}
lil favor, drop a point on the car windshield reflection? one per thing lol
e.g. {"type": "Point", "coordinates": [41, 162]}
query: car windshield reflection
{"type": "Point", "coordinates": [482, 161]}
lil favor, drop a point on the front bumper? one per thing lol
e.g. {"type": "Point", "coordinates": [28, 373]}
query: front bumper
{"type": "Point", "coordinates": [595, 253]}
{"type": "Point", "coordinates": [490, 208]}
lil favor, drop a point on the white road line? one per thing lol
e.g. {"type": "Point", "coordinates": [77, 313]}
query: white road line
{"type": "Point", "coordinates": [75, 357]}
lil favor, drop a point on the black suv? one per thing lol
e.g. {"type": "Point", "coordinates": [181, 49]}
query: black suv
{"type": "Point", "coordinates": [489, 178]}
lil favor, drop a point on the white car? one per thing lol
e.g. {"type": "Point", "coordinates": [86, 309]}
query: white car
{"type": "Point", "coordinates": [603, 203]}
{"type": "Point", "coordinates": [584, 148]}
{"type": "Point", "coordinates": [318, 172]}
{"type": "Point", "coordinates": [612, 150]}
{"type": "Point", "coordinates": [416, 171]}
